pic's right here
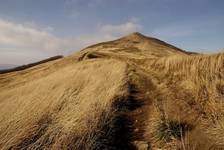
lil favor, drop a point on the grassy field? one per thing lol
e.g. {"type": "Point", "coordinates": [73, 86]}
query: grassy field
{"type": "Point", "coordinates": [132, 93]}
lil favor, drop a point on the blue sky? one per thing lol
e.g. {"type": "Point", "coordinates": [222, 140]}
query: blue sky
{"type": "Point", "coordinates": [31, 30]}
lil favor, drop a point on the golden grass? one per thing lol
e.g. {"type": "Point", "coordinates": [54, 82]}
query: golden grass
{"type": "Point", "coordinates": [190, 92]}
{"type": "Point", "coordinates": [132, 93]}
{"type": "Point", "coordinates": [196, 67]}
{"type": "Point", "coordinates": [58, 110]}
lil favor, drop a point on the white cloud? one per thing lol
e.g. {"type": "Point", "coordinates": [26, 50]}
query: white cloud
{"type": "Point", "coordinates": [23, 36]}
{"type": "Point", "coordinates": [24, 43]}
{"type": "Point", "coordinates": [121, 29]}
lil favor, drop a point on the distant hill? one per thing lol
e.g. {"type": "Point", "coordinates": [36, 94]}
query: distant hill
{"type": "Point", "coordinates": [6, 66]}
{"type": "Point", "coordinates": [136, 92]}
{"type": "Point", "coordinates": [10, 68]}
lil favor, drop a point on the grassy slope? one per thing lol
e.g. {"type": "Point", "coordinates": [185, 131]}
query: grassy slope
{"type": "Point", "coordinates": [192, 94]}
{"type": "Point", "coordinates": [59, 107]}
{"type": "Point", "coordinates": [131, 93]}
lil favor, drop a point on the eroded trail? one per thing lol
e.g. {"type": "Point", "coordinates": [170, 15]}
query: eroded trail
{"type": "Point", "coordinates": [102, 108]}
{"type": "Point", "coordinates": [130, 113]}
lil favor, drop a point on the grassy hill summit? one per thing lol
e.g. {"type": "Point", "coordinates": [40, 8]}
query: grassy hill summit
{"type": "Point", "coordinates": [136, 92]}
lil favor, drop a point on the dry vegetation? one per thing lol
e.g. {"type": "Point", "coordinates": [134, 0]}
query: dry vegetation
{"type": "Point", "coordinates": [132, 93]}
{"type": "Point", "coordinates": [191, 95]}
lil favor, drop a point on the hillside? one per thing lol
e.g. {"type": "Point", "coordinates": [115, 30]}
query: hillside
{"type": "Point", "coordinates": [136, 92]}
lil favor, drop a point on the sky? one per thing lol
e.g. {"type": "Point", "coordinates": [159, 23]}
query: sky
{"type": "Point", "coordinates": [31, 30]}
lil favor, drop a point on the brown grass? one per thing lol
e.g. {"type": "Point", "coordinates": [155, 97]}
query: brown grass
{"type": "Point", "coordinates": [64, 109]}
{"type": "Point", "coordinates": [190, 90]}
{"type": "Point", "coordinates": [132, 93]}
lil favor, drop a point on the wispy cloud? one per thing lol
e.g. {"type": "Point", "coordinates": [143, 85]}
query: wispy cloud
{"type": "Point", "coordinates": [27, 42]}
{"type": "Point", "coordinates": [23, 43]}
{"type": "Point", "coordinates": [121, 29]}
{"type": "Point", "coordinates": [25, 36]}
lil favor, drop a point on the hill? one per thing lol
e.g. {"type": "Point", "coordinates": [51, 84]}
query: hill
{"type": "Point", "coordinates": [136, 92]}
{"type": "Point", "coordinates": [6, 66]}
{"type": "Point", "coordinates": [12, 68]}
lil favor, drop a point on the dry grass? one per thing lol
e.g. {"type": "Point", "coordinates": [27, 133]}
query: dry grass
{"type": "Point", "coordinates": [132, 93]}
{"type": "Point", "coordinates": [204, 68]}
{"type": "Point", "coordinates": [190, 92]}
{"type": "Point", "coordinates": [59, 109]}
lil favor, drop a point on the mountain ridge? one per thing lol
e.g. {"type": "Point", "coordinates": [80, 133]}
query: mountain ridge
{"type": "Point", "coordinates": [137, 40]}
{"type": "Point", "coordinates": [120, 95]}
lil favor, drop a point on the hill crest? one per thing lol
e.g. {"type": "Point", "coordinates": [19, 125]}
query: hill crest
{"type": "Point", "coordinates": [137, 43]}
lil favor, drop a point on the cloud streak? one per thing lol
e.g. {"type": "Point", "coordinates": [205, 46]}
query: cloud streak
{"type": "Point", "coordinates": [25, 37]}
{"type": "Point", "coordinates": [121, 29]}
{"type": "Point", "coordinates": [24, 43]}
